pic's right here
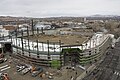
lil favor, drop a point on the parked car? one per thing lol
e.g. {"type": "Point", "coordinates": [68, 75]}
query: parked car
{"type": "Point", "coordinates": [20, 67]}
{"type": "Point", "coordinates": [26, 70]}
{"type": "Point", "coordinates": [3, 60]}
{"type": "Point", "coordinates": [50, 77]}
{"type": "Point", "coordinates": [37, 71]}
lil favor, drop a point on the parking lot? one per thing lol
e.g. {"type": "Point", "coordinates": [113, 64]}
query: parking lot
{"type": "Point", "coordinates": [65, 73]}
{"type": "Point", "coordinates": [13, 74]}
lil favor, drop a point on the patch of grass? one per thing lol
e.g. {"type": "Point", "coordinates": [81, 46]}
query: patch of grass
{"type": "Point", "coordinates": [55, 63]}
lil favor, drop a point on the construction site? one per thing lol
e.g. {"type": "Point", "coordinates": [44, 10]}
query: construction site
{"type": "Point", "coordinates": [50, 54]}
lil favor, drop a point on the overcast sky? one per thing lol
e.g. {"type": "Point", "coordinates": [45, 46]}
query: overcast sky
{"type": "Point", "coordinates": [50, 8]}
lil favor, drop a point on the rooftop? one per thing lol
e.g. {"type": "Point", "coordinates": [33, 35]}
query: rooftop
{"type": "Point", "coordinates": [9, 27]}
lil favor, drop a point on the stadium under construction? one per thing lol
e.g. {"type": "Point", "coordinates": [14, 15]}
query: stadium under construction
{"type": "Point", "coordinates": [57, 50]}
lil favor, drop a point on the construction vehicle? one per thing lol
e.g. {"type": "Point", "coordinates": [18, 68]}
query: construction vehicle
{"type": "Point", "coordinates": [33, 68]}
{"type": "Point", "coordinates": [4, 76]}
{"type": "Point", "coordinates": [26, 70]}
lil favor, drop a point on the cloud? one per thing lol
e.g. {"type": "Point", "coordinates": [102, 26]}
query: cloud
{"type": "Point", "coordinates": [44, 8]}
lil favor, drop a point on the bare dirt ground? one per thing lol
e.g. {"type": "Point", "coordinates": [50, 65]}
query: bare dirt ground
{"type": "Point", "coordinates": [62, 74]}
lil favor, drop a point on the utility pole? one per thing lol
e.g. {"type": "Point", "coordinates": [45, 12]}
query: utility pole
{"type": "Point", "coordinates": [3, 37]}
{"type": "Point", "coordinates": [90, 44]}
{"type": "Point", "coordinates": [22, 44]}
{"type": "Point", "coordinates": [96, 41]}
{"type": "Point", "coordinates": [42, 30]}
{"type": "Point", "coordinates": [86, 45]}
{"type": "Point", "coordinates": [28, 41]}
{"type": "Point", "coordinates": [32, 28]}
{"type": "Point", "coordinates": [48, 49]}
{"type": "Point", "coordinates": [48, 52]}
{"type": "Point", "coordinates": [37, 32]}
{"type": "Point", "coordinates": [60, 54]}
{"type": "Point", "coordinates": [37, 49]}
{"type": "Point", "coordinates": [54, 47]}
{"type": "Point", "coordinates": [16, 41]}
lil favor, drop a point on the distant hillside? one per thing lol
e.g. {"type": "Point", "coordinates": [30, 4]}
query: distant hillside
{"type": "Point", "coordinates": [103, 17]}
{"type": "Point", "coordinates": [93, 17]}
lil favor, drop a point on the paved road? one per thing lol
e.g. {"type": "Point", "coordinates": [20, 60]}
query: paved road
{"type": "Point", "coordinates": [109, 68]}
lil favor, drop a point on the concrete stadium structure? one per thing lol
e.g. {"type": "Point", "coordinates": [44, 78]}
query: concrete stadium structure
{"type": "Point", "coordinates": [47, 52]}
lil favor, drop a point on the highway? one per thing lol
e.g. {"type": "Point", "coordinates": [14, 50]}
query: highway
{"type": "Point", "coordinates": [109, 68]}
